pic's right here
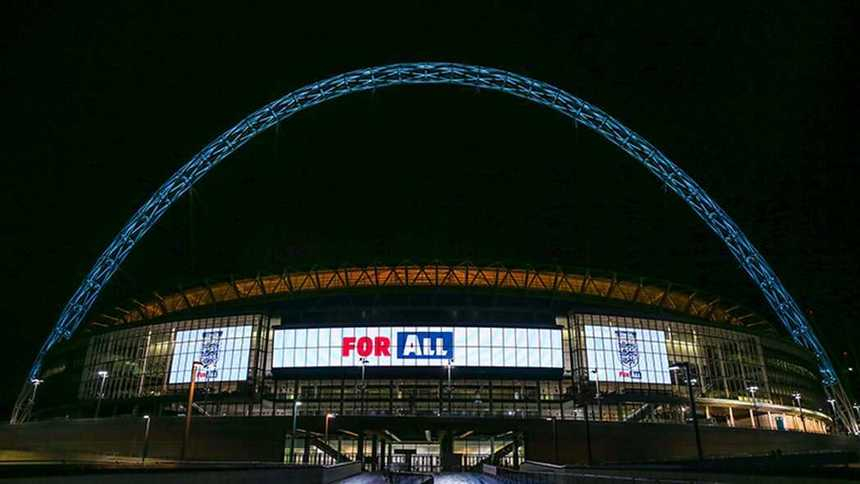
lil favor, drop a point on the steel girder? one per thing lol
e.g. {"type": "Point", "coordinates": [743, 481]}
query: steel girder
{"type": "Point", "coordinates": [490, 79]}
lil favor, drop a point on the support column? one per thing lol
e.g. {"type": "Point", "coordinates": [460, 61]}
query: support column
{"type": "Point", "coordinates": [752, 418]}
{"type": "Point", "coordinates": [492, 450]}
{"type": "Point", "coordinates": [517, 440]}
{"type": "Point", "coordinates": [359, 450]}
{"type": "Point", "coordinates": [731, 418]}
{"type": "Point", "coordinates": [374, 455]}
{"type": "Point", "coordinates": [446, 451]}
{"type": "Point", "coordinates": [307, 453]}
{"type": "Point", "coordinates": [382, 455]}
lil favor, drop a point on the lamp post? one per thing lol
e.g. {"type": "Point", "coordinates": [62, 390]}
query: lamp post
{"type": "Point", "coordinates": [296, 405]}
{"type": "Point", "coordinates": [597, 394]}
{"type": "Point", "coordinates": [328, 417]}
{"type": "Point", "coordinates": [145, 439]}
{"type": "Point", "coordinates": [103, 375]}
{"type": "Point", "coordinates": [36, 382]}
{"type": "Point", "coordinates": [589, 456]}
{"type": "Point", "coordinates": [189, 407]}
{"type": "Point", "coordinates": [752, 389]}
{"type": "Point", "coordinates": [797, 396]}
{"type": "Point", "coordinates": [363, 386]}
{"type": "Point", "coordinates": [686, 367]}
{"type": "Point", "coordinates": [449, 364]}
{"type": "Point", "coordinates": [832, 403]}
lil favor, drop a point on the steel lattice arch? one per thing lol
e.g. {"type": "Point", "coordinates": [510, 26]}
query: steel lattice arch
{"type": "Point", "coordinates": [673, 177]}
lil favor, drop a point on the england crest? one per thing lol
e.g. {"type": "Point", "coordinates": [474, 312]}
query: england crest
{"type": "Point", "coordinates": [628, 354]}
{"type": "Point", "coordinates": [210, 351]}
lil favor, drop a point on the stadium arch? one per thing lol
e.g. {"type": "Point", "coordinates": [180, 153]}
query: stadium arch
{"type": "Point", "coordinates": [491, 79]}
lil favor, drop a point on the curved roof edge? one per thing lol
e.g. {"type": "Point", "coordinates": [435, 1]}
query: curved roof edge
{"type": "Point", "coordinates": [663, 295]}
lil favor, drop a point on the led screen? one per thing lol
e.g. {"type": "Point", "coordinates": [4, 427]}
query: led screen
{"type": "Point", "coordinates": [408, 346]}
{"type": "Point", "coordinates": [626, 354]}
{"type": "Point", "coordinates": [224, 353]}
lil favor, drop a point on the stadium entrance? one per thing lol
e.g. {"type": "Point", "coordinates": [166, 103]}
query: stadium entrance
{"type": "Point", "coordinates": [403, 445]}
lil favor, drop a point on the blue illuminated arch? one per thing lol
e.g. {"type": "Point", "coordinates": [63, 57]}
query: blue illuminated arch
{"type": "Point", "coordinates": [552, 97]}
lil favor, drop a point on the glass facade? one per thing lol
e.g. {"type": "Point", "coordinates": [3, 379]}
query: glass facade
{"type": "Point", "coordinates": [616, 368]}
{"type": "Point", "coordinates": [156, 361]}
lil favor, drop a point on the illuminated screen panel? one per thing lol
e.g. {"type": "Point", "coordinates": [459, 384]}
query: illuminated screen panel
{"type": "Point", "coordinates": [224, 352]}
{"type": "Point", "coordinates": [418, 346]}
{"type": "Point", "coordinates": [629, 355]}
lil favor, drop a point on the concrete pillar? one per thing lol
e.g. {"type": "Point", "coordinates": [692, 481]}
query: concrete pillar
{"type": "Point", "coordinates": [752, 418]}
{"type": "Point", "coordinates": [359, 450]}
{"type": "Point", "coordinates": [307, 454]}
{"type": "Point", "coordinates": [731, 417]}
{"type": "Point", "coordinates": [374, 455]}
{"type": "Point", "coordinates": [382, 454]}
{"type": "Point", "coordinates": [446, 451]}
{"type": "Point", "coordinates": [517, 440]}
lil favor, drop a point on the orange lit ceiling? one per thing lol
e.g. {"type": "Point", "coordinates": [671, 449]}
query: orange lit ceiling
{"type": "Point", "coordinates": [662, 295]}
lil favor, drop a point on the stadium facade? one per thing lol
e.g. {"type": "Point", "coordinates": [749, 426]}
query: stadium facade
{"type": "Point", "coordinates": [459, 356]}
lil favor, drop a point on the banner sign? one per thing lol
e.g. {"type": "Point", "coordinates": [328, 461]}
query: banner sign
{"type": "Point", "coordinates": [626, 355]}
{"type": "Point", "coordinates": [399, 346]}
{"type": "Point", "coordinates": [223, 352]}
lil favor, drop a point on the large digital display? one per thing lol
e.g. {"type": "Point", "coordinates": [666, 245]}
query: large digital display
{"type": "Point", "coordinates": [629, 355]}
{"type": "Point", "coordinates": [223, 352]}
{"type": "Point", "coordinates": [418, 346]}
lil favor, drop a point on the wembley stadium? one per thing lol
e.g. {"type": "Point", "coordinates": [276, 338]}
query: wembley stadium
{"type": "Point", "coordinates": [432, 367]}
{"type": "Point", "coordinates": [425, 365]}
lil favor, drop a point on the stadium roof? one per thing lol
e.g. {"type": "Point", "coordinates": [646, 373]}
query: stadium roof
{"type": "Point", "coordinates": [554, 283]}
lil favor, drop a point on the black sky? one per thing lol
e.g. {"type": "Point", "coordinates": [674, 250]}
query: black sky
{"type": "Point", "coordinates": [101, 103]}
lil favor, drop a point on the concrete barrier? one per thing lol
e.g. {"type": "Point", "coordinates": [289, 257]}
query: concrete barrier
{"type": "Point", "coordinates": [190, 474]}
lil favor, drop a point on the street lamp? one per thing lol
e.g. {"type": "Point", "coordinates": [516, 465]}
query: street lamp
{"type": "Point", "coordinates": [36, 382]}
{"type": "Point", "coordinates": [189, 407]}
{"type": "Point", "coordinates": [296, 405]}
{"type": "Point", "coordinates": [449, 365]}
{"type": "Point", "coordinates": [752, 389]}
{"type": "Point", "coordinates": [832, 403]}
{"type": "Point", "coordinates": [103, 375]}
{"type": "Point", "coordinates": [686, 367]}
{"type": "Point", "coordinates": [797, 396]}
{"type": "Point", "coordinates": [597, 394]}
{"type": "Point", "coordinates": [145, 439]}
{"type": "Point", "coordinates": [328, 417]}
{"type": "Point", "coordinates": [363, 386]}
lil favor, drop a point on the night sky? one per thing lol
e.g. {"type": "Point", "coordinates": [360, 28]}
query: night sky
{"type": "Point", "coordinates": [101, 103]}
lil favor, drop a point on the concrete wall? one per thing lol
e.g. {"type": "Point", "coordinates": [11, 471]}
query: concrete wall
{"type": "Point", "coordinates": [212, 439]}
{"type": "Point", "coordinates": [273, 475]}
{"type": "Point", "coordinates": [625, 442]}
{"type": "Point", "coordinates": [262, 438]}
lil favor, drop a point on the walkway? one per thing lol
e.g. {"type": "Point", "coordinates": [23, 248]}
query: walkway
{"type": "Point", "coordinates": [445, 478]}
